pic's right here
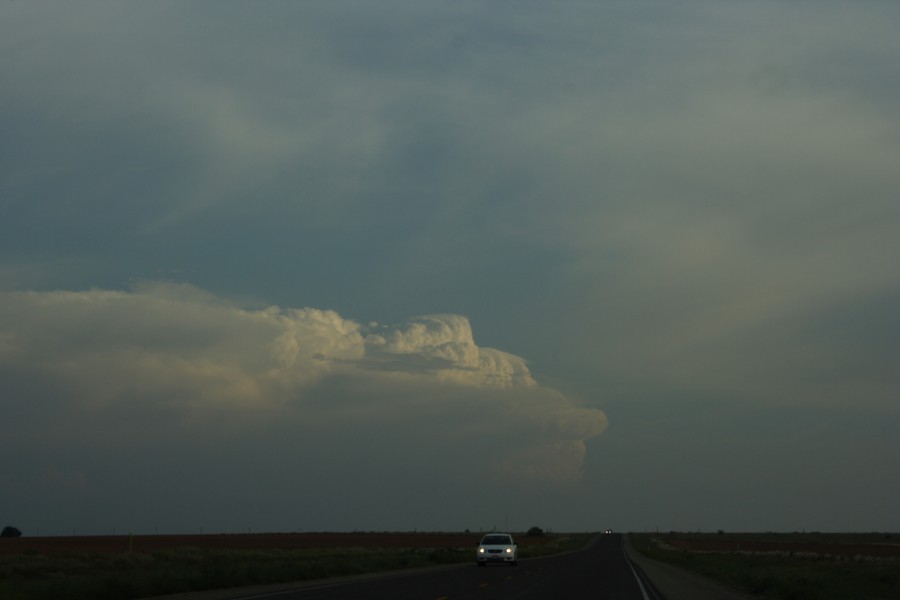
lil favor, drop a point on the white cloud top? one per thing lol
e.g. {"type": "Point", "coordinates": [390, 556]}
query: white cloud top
{"type": "Point", "coordinates": [446, 343]}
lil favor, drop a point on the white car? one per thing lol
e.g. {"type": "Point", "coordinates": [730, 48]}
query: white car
{"type": "Point", "coordinates": [497, 548]}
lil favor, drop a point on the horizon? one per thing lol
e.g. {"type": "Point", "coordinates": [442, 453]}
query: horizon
{"type": "Point", "coordinates": [475, 532]}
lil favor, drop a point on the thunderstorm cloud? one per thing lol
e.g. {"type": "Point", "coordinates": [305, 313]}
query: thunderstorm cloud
{"type": "Point", "coordinates": [174, 348]}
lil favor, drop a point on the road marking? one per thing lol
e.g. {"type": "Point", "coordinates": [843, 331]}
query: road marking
{"type": "Point", "coordinates": [633, 572]}
{"type": "Point", "coordinates": [640, 585]}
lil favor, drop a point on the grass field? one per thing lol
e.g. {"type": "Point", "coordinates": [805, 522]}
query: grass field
{"type": "Point", "coordinates": [124, 567]}
{"type": "Point", "coordinates": [791, 566]}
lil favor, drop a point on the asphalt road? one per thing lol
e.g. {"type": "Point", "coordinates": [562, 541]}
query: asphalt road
{"type": "Point", "coordinates": [600, 571]}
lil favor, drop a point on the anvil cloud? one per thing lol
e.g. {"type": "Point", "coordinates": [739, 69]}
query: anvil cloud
{"type": "Point", "coordinates": [181, 353]}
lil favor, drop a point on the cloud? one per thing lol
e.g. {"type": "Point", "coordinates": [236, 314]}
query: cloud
{"type": "Point", "coordinates": [191, 358]}
{"type": "Point", "coordinates": [444, 345]}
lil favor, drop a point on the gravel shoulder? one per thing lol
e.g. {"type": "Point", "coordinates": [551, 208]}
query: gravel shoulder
{"type": "Point", "coordinates": [677, 584]}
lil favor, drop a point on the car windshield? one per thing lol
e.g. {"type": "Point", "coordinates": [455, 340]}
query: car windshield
{"type": "Point", "coordinates": [495, 540]}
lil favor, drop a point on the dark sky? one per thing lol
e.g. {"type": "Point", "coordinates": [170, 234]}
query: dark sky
{"type": "Point", "coordinates": [446, 265]}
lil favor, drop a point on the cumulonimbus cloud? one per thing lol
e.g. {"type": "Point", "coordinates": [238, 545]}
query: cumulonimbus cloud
{"type": "Point", "coordinates": [189, 351]}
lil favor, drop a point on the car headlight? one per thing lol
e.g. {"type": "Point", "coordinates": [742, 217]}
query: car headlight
{"type": "Point", "coordinates": [509, 550]}
{"type": "Point", "coordinates": [481, 551]}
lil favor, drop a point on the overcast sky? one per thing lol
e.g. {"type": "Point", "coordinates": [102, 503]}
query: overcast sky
{"type": "Point", "coordinates": [438, 265]}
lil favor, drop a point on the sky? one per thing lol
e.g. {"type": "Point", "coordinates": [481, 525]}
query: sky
{"type": "Point", "coordinates": [446, 265]}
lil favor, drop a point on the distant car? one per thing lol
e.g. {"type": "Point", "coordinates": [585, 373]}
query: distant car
{"type": "Point", "coordinates": [608, 531]}
{"type": "Point", "coordinates": [497, 548]}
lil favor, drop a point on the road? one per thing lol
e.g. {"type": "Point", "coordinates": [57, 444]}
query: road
{"type": "Point", "coordinates": [599, 571]}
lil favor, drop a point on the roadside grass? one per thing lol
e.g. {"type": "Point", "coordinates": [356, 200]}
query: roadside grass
{"type": "Point", "coordinates": [785, 575]}
{"type": "Point", "coordinates": [130, 575]}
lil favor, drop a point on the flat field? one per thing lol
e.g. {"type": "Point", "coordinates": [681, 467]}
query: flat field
{"type": "Point", "coordinates": [255, 541]}
{"type": "Point", "coordinates": [127, 567]}
{"type": "Point", "coordinates": [870, 545]}
{"type": "Point", "coordinates": [787, 566]}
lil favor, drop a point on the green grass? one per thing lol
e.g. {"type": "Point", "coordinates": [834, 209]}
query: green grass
{"type": "Point", "coordinates": [786, 576]}
{"type": "Point", "coordinates": [129, 575]}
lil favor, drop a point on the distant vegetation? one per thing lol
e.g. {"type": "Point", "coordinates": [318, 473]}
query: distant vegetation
{"type": "Point", "coordinates": [10, 531]}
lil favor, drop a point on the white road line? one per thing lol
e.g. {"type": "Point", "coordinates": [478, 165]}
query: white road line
{"type": "Point", "coordinates": [634, 572]}
{"type": "Point", "coordinates": [640, 585]}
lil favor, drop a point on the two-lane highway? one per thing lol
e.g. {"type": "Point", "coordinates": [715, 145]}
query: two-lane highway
{"type": "Point", "coordinates": [599, 571]}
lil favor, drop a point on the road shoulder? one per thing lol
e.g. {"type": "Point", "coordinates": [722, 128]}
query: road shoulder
{"type": "Point", "coordinates": [677, 584]}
